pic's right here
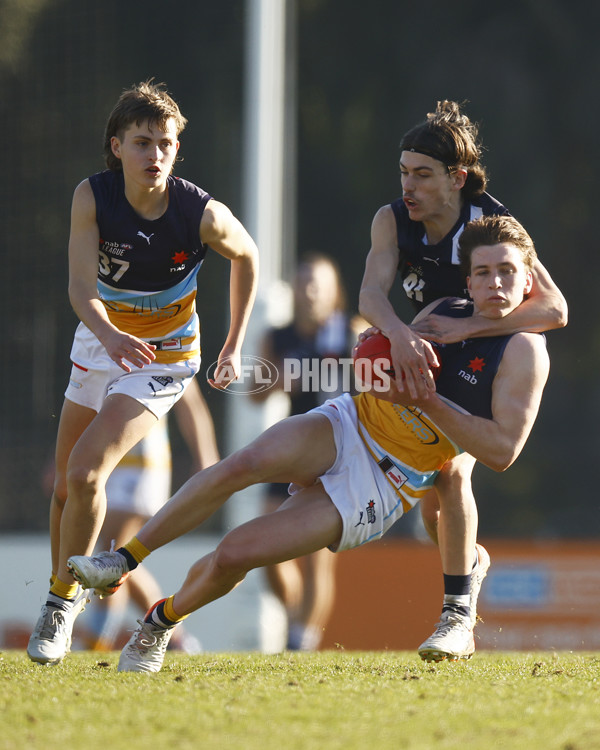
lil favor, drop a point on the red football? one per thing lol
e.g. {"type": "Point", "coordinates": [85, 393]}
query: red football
{"type": "Point", "coordinates": [373, 359]}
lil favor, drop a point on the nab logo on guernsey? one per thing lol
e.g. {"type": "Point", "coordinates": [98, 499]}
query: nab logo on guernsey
{"type": "Point", "coordinates": [475, 365]}
{"type": "Point", "coordinates": [256, 375]}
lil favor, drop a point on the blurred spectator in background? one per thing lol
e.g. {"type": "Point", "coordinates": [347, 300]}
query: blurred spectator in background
{"type": "Point", "coordinates": [320, 328]}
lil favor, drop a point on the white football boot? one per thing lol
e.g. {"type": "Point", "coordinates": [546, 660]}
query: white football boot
{"type": "Point", "coordinates": [103, 572]}
{"type": "Point", "coordinates": [451, 641]}
{"type": "Point", "coordinates": [50, 641]}
{"type": "Point", "coordinates": [145, 650]}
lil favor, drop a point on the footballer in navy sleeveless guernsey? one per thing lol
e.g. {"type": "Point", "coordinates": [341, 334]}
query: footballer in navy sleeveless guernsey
{"type": "Point", "coordinates": [465, 382]}
{"type": "Point", "coordinates": [147, 268]}
{"type": "Point", "coordinates": [430, 272]}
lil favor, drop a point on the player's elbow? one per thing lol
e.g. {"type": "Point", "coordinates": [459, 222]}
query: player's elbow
{"type": "Point", "coordinates": [560, 313]}
{"type": "Point", "coordinates": [495, 464]}
{"type": "Point", "coordinates": [368, 298]}
{"type": "Point", "coordinates": [501, 454]}
{"type": "Point", "coordinates": [248, 257]}
{"type": "Point", "coordinates": [76, 295]}
{"type": "Point", "coordinates": [363, 303]}
{"type": "Point", "coordinates": [502, 459]}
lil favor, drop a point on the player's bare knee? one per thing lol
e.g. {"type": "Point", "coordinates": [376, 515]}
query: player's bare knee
{"type": "Point", "coordinates": [248, 466]}
{"type": "Point", "coordinates": [229, 561]}
{"type": "Point", "coordinates": [59, 492]}
{"type": "Point", "coordinates": [450, 476]}
{"type": "Point", "coordinates": [455, 475]}
{"type": "Point", "coordinates": [82, 482]}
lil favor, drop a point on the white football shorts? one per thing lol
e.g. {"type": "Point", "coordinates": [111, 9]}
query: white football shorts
{"type": "Point", "coordinates": [356, 484]}
{"type": "Point", "coordinates": [94, 376]}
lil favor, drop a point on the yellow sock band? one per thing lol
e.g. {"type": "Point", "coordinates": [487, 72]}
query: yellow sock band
{"type": "Point", "coordinates": [137, 550]}
{"type": "Point", "coordinates": [170, 612]}
{"type": "Point", "coordinates": [64, 590]}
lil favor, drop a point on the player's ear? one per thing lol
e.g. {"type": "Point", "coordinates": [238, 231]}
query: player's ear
{"type": "Point", "coordinates": [528, 282]}
{"type": "Point", "coordinates": [459, 177]}
{"type": "Point", "coordinates": [115, 146]}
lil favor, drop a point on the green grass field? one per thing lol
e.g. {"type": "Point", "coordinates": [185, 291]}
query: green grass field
{"type": "Point", "coordinates": [326, 700]}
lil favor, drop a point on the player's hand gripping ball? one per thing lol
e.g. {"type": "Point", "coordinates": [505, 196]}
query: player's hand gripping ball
{"type": "Point", "coordinates": [373, 361]}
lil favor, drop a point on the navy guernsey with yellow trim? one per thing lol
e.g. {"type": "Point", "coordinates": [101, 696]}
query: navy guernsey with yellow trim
{"type": "Point", "coordinates": [430, 272]}
{"type": "Point", "coordinates": [147, 268]}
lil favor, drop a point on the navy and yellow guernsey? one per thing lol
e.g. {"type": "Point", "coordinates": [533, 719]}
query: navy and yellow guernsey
{"type": "Point", "coordinates": [147, 269]}
{"type": "Point", "coordinates": [391, 430]}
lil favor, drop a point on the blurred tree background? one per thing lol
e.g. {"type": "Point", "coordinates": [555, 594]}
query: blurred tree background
{"type": "Point", "coordinates": [365, 74]}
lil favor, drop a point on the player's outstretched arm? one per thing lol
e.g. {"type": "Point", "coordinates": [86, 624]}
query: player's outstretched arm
{"type": "Point", "coordinates": [226, 235]}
